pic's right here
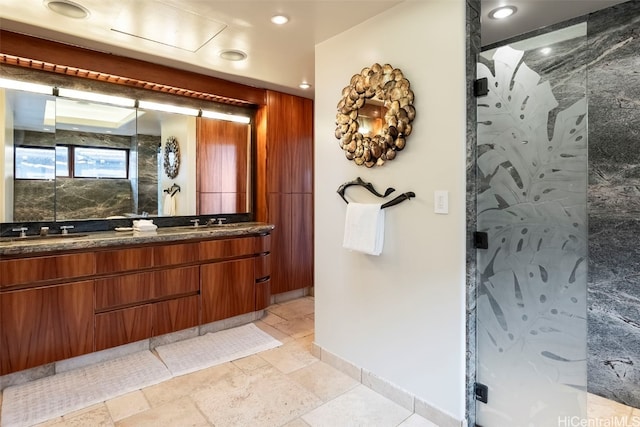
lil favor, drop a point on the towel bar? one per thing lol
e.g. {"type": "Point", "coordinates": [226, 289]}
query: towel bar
{"type": "Point", "coordinates": [359, 182]}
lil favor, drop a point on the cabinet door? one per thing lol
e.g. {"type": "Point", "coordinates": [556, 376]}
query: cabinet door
{"type": "Point", "coordinates": [301, 268]}
{"type": "Point", "coordinates": [227, 289]}
{"type": "Point", "coordinates": [280, 216]}
{"type": "Point", "coordinates": [123, 326]}
{"type": "Point", "coordinates": [44, 325]}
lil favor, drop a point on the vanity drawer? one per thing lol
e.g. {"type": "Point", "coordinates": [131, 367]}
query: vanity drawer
{"type": "Point", "coordinates": [216, 249]}
{"type": "Point", "coordinates": [123, 260]}
{"type": "Point", "coordinates": [176, 315]}
{"type": "Point", "coordinates": [123, 326]}
{"type": "Point", "coordinates": [263, 266]}
{"type": "Point", "coordinates": [136, 288]}
{"type": "Point", "coordinates": [175, 254]}
{"type": "Point", "coordinates": [263, 244]}
{"type": "Point", "coordinates": [49, 268]}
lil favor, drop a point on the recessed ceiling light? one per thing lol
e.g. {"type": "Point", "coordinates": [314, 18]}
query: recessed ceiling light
{"type": "Point", "coordinates": [502, 12]}
{"type": "Point", "coordinates": [304, 85]}
{"type": "Point", "coordinates": [67, 8]}
{"type": "Point", "coordinates": [279, 19]}
{"type": "Point", "coordinates": [233, 55]}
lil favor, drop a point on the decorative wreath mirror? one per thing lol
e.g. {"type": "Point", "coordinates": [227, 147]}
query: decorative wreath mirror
{"type": "Point", "coordinates": [171, 157]}
{"type": "Point", "coordinates": [374, 115]}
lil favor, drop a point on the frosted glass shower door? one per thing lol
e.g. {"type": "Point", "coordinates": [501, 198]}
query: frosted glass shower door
{"type": "Point", "coordinates": [532, 181]}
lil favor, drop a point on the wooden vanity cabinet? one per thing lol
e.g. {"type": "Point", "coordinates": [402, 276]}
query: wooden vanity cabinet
{"type": "Point", "coordinates": [54, 307]}
{"type": "Point", "coordinates": [45, 324]}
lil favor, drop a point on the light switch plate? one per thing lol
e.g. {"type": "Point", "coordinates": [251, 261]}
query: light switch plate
{"type": "Point", "coordinates": [441, 202]}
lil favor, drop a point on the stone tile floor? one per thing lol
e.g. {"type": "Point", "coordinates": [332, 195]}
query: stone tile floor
{"type": "Point", "coordinates": [285, 386]}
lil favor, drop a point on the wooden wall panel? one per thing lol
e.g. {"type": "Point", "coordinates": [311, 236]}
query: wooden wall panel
{"type": "Point", "coordinates": [222, 203]}
{"type": "Point", "coordinates": [175, 315]}
{"type": "Point", "coordinates": [279, 125]}
{"type": "Point", "coordinates": [30, 270]}
{"type": "Point", "coordinates": [123, 326]}
{"type": "Point", "coordinates": [301, 146]}
{"type": "Point", "coordinates": [222, 156]}
{"type": "Point", "coordinates": [227, 289]}
{"type": "Point", "coordinates": [44, 325]}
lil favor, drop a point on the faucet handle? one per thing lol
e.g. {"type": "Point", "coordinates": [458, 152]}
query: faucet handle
{"type": "Point", "coordinates": [220, 220]}
{"type": "Point", "coordinates": [22, 230]}
{"type": "Point", "coordinates": [65, 228]}
{"type": "Point", "coordinates": [196, 222]}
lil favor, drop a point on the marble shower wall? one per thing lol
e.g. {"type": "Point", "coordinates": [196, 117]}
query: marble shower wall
{"type": "Point", "coordinates": [614, 203]}
{"type": "Point", "coordinates": [148, 173]}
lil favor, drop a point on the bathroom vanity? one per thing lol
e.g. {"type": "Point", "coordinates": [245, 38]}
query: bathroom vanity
{"type": "Point", "coordinates": [64, 297]}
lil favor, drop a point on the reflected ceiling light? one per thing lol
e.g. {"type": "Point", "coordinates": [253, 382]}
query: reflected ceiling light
{"type": "Point", "coordinates": [223, 116]}
{"type": "Point", "coordinates": [97, 97]}
{"type": "Point", "coordinates": [167, 108]}
{"type": "Point", "coordinates": [545, 50]}
{"type": "Point", "coordinates": [67, 8]}
{"type": "Point", "coordinates": [279, 19]}
{"type": "Point", "coordinates": [233, 55]}
{"type": "Point", "coordinates": [26, 86]}
{"type": "Point", "coordinates": [304, 85]}
{"type": "Point", "coordinates": [502, 12]}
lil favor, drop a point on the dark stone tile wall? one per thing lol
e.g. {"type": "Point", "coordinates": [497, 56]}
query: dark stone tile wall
{"type": "Point", "coordinates": [472, 51]}
{"type": "Point", "coordinates": [614, 203]}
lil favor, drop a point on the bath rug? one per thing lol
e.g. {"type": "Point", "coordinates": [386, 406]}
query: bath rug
{"type": "Point", "coordinates": [184, 357]}
{"type": "Point", "coordinates": [50, 397]}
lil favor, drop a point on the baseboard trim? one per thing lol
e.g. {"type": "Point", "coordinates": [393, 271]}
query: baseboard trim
{"type": "Point", "coordinates": [387, 389]}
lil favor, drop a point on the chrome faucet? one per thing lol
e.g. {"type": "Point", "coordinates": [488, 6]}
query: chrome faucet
{"type": "Point", "coordinates": [212, 221]}
{"type": "Point", "coordinates": [196, 222]}
{"type": "Point", "coordinates": [22, 230]}
{"type": "Point", "coordinates": [44, 231]}
{"type": "Point", "coordinates": [65, 229]}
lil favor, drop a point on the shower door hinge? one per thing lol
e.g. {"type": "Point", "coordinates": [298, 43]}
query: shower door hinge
{"type": "Point", "coordinates": [481, 87]}
{"type": "Point", "coordinates": [482, 392]}
{"type": "Point", "coordinates": [480, 240]}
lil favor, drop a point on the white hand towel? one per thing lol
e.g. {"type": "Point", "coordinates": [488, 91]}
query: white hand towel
{"type": "Point", "coordinates": [144, 225]}
{"type": "Point", "coordinates": [169, 206]}
{"type": "Point", "coordinates": [364, 228]}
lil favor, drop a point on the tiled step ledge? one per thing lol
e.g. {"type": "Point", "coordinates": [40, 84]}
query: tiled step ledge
{"type": "Point", "coordinates": [387, 389]}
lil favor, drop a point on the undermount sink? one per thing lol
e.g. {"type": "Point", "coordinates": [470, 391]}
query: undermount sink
{"type": "Point", "coordinates": [201, 227]}
{"type": "Point", "coordinates": [47, 237]}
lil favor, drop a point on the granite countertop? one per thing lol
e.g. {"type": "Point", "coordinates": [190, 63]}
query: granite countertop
{"type": "Point", "coordinates": [102, 239]}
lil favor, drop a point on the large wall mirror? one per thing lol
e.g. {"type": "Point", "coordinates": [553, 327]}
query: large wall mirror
{"type": "Point", "coordinates": [68, 158]}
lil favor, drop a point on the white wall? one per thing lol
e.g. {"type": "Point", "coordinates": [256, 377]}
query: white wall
{"type": "Point", "coordinates": [400, 315]}
{"type": "Point", "coordinates": [183, 128]}
{"type": "Point", "coordinates": [6, 158]}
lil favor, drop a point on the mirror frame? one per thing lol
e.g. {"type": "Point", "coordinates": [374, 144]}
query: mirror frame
{"type": "Point", "coordinates": [389, 86]}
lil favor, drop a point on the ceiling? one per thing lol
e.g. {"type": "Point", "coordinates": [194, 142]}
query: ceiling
{"type": "Point", "coordinates": [190, 34]}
